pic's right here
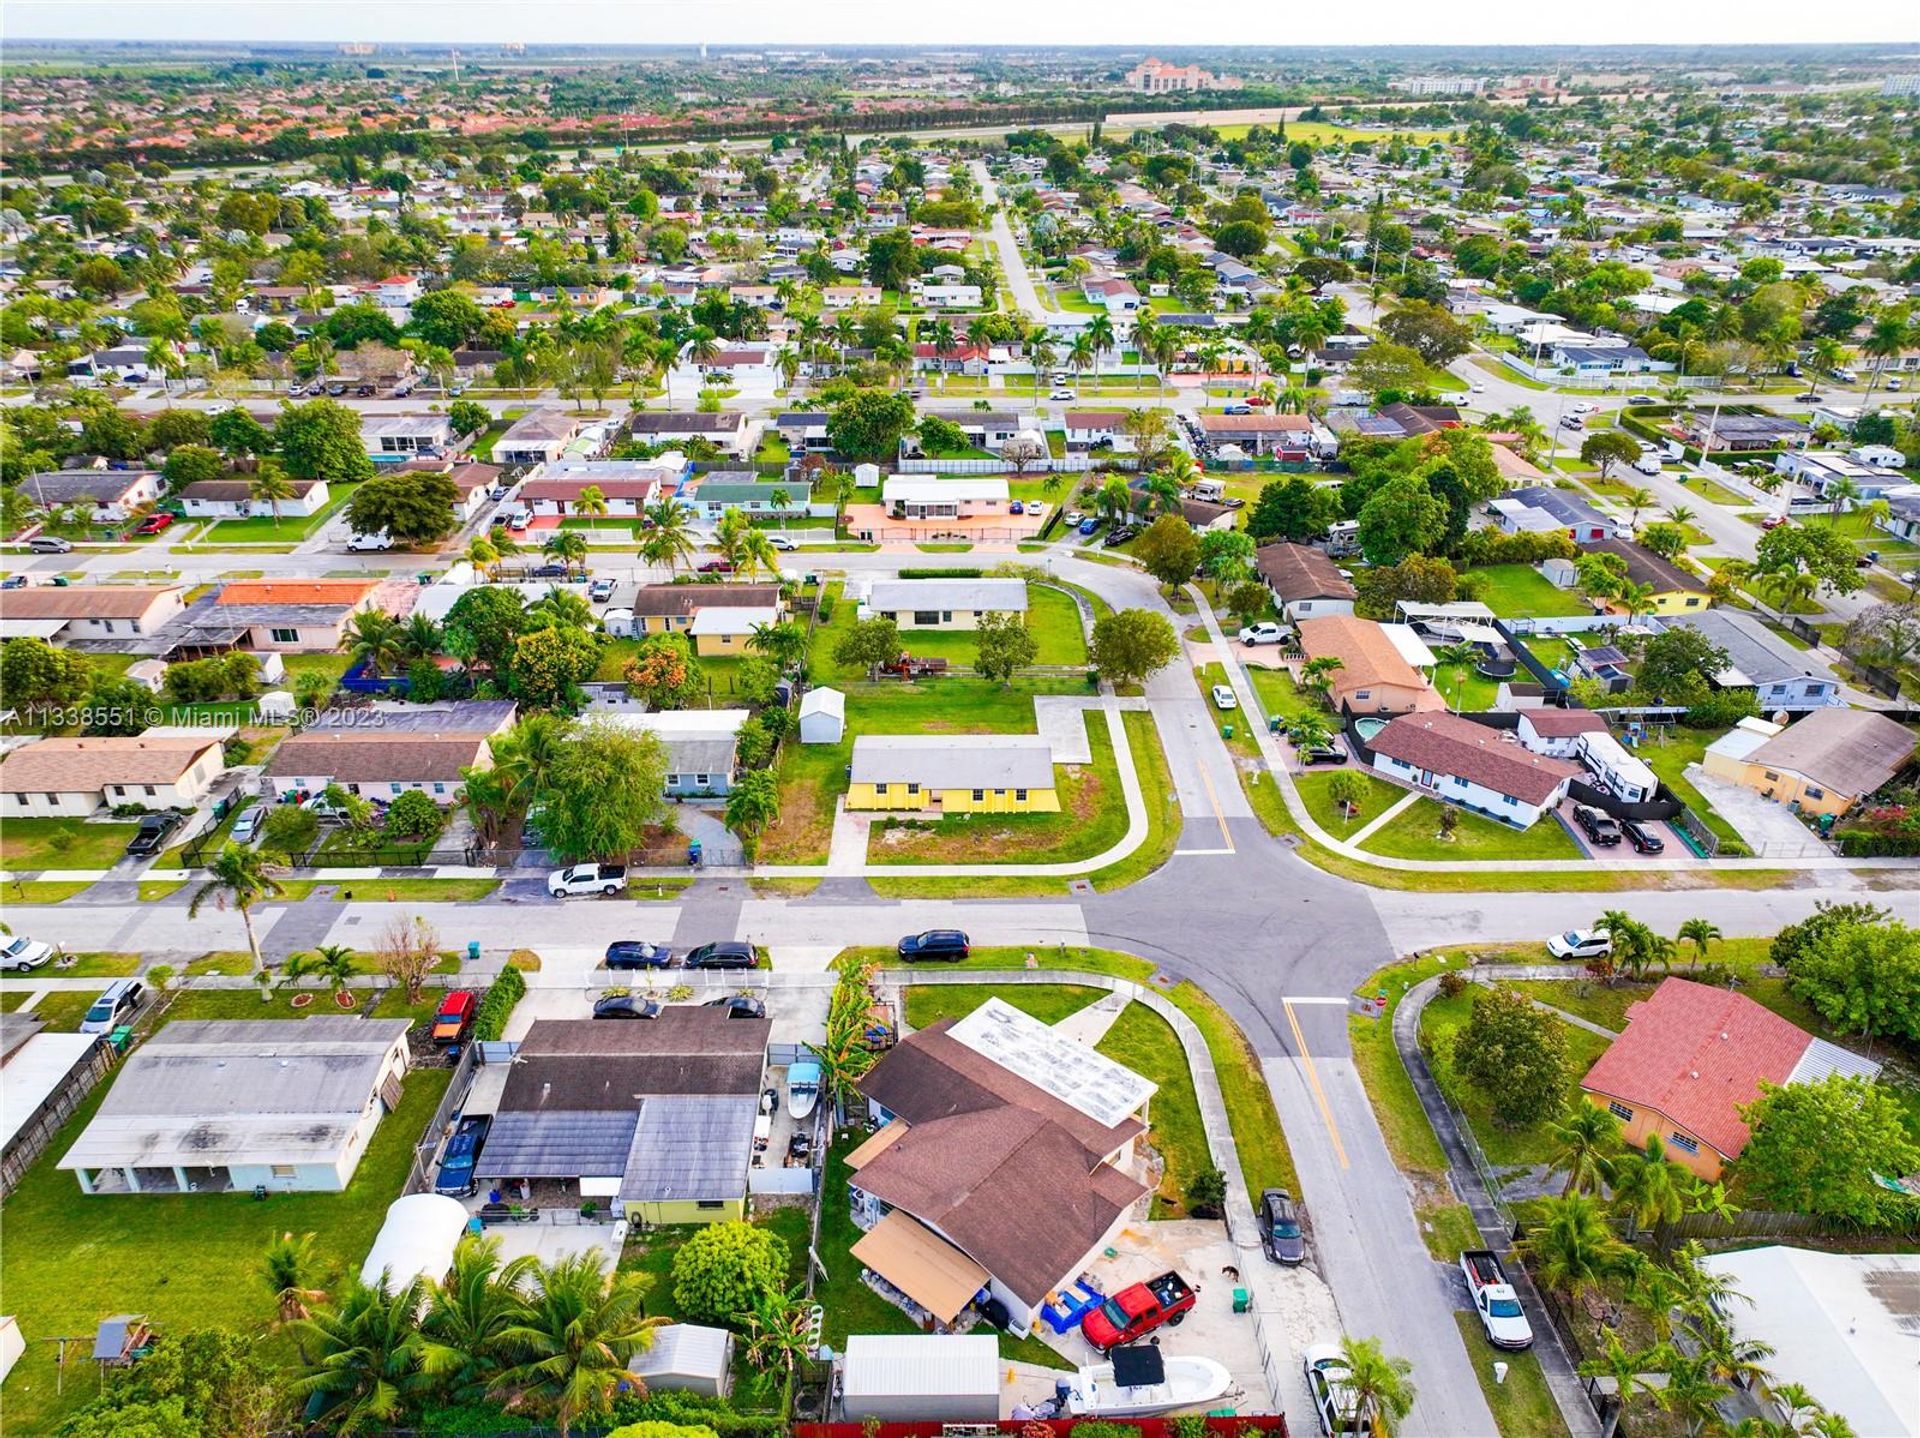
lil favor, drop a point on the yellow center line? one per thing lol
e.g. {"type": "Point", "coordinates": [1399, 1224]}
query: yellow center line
{"type": "Point", "coordinates": [1213, 798]}
{"type": "Point", "coordinates": [1313, 1082]}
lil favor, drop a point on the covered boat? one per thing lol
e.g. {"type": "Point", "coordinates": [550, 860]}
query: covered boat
{"type": "Point", "coordinates": [803, 1088]}
{"type": "Point", "coordinates": [1139, 1379]}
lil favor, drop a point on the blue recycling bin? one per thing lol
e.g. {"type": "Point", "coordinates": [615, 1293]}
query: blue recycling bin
{"type": "Point", "coordinates": [473, 950]}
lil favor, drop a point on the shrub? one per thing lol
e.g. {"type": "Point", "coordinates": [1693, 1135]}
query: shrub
{"type": "Point", "coordinates": [414, 815]}
{"type": "Point", "coordinates": [1207, 1193]}
{"type": "Point", "coordinates": [1452, 985]}
{"type": "Point", "coordinates": [721, 1271]}
{"type": "Point", "coordinates": [927, 573]}
{"type": "Point", "coordinates": [490, 1021]}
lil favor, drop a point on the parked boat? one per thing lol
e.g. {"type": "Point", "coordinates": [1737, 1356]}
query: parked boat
{"type": "Point", "coordinates": [1140, 1380]}
{"type": "Point", "coordinates": [803, 1088]}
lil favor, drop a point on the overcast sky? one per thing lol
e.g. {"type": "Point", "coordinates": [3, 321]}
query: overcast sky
{"type": "Point", "coordinates": [976, 22]}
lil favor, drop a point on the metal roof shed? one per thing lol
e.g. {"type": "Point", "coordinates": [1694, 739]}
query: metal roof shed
{"type": "Point", "coordinates": [934, 1378]}
{"type": "Point", "coordinates": [687, 1356]}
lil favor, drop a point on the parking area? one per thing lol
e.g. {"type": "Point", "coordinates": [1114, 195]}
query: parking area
{"type": "Point", "coordinates": [1673, 848]}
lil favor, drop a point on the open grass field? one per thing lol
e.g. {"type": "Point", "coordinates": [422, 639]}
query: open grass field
{"type": "Point", "coordinates": [1415, 834]}
{"type": "Point", "coordinates": [1519, 591]}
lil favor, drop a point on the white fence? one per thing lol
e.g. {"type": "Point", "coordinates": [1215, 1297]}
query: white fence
{"type": "Point", "coordinates": [1066, 464]}
{"type": "Point", "coordinates": [789, 1181]}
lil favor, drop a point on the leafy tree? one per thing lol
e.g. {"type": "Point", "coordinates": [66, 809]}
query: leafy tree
{"type": "Point", "coordinates": [1815, 1147]}
{"type": "Point", "coordinates": [752, 805]}
{"type": "Point", "coordinates": [1383, 367]}
{"type": "Point", "coordinates": [869, 644]}
{"type": "Point", "coordinates": [1169, 550]}
{"type": "Point", "coordinates": [1293, 508]}
{"type": "Point", "coordinates": [1417, 578]}
{"type": "Point", "coordinates": [36, 676]}
{"type": "Point", "coordinates": [1130, 644]}
{"type": "Point", "coordinates": [579, 1327]}
{"type": "Point", "coordinates": [1515, 1054]}
{"type": "Point", "coordinates": [603, 793]}
{"type": "Point", "coordinates": [467, 417]}
{"type": "Point", "coordinates": [1679, 661]}
{"type": "Point", "coordinates": [414, 815]}
{"type": "Point", "coordinates": [1798, 941]}
{"type": "Point", "coordinates": [941, 435]}
{"type": "Point", "coordinates": [446, 318]}
{"type": "Point", "coordinates": [195, 1383]}
{"type": "Point", "coordinates": [1865, 979]}
{"type": "Point", "coordinates": [723, 1268]}
{"type": "Point", "coordinates": [118, 707]}
{"type": "Point", "coordinates": [1243, 239]}
{"type": "Point", "coordinates": [1608, 448]}
{"type": "Point", "coordinates": [1816, 550]}
{"type": "Point", "coordinates": [109, 432]}
{"type": "Point", "coordinates": [321, 440]}
{"type": "Point", "coordinates": [483, 625]}
{"type": "Point", "coordinates": [172, 428]}
{"type": "Point", "coordinates": [1429, 331]}
{"type": "Point", "coordinates": [1667, 540]}
{"type": "Point", "coordinates": [1403, 517]}
{"type": "Point", "coordinates": [893, 261]}
{"type": "Point", "coordinates": [1226, 555]}
{"type": "Point", "coordinates": [549, 666]}
{"type": "Point", "coordinates": [289, 831]}
{"type": "Point", "coordinates": [664, 672]}
{"type": "Point", "coordinates": [408, 509]}
{"type": "Point", "coordinates": [238, 433]}
{"type": "Point", "coordinates": [1003, 645]}
{"type": "Point", "coordinates": [869, 424]}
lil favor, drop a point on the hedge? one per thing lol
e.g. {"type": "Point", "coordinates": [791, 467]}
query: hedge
{"type": "Point", "coordinates": [490, 1023]}
{"type": "Point", "coordinates": [942, 573]}
{"type": "Point", "coordinates": [675, 1406]}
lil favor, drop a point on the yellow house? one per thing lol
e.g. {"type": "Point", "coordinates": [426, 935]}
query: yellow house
{"type": "Point", "coordinates": [1675, 590]}
{"type": "Point", "coordinates": [1825, 763]}
{"type": "Point", "coordinates": [648, 609]}
{"type": "Point", "coordinates": [954, 774]}
{"type": "Point", "coordinates": [952, 604]}
{"type": "Point", "coordinates": [722, 631]}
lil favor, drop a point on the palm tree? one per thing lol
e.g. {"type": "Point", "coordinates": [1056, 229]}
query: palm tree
{"type": "Point", "coordinates": [779, 1329]}
{"type": "Point", "coordinates": [482, 554]}
{"type": "Point", "coordinates": [1691, 1390]}
{"type": "Point", "coordinates": [703, 349]}
{"type": "Point", "coordinates": [574, 1336]}
{"type": "Point", "coordinates": [785, 643]}
{"type": "Point", "coordinates": [569, 546]}
{"type": "Point", "coordinates": [1700, 933]}
{"type": "Point", "coordinates": [333, 962]}
{"type": "Point", "coordinates": [1571, 1249]}
{"type": "Point", "coordinates": [419, 637]}
{"type": "Point", "coordinates": [1316, 676]}
{"type": "Point", "coordinates": [1682, 514]}
{"type": "Point", "coordinates": [1635, 597]}
{"type": "Point", "coordinates": [1042, 355]}
{"type": "Point", "coordinates": [479, 1300]}
{"type": "Point", "coordinates": [1648, 1187]}
{"type": "Point", "coordinates": [1890, 335]}
{"type": "Point", "coordinates": [372, 638]}
{"type": "Point", "coordinates": [1310, 730]}
{"type": "Point", "coordinates": [560, 609]}
{"type": "Point", "coordinates": [1113, 499]}
{"type": "Point", "coordinates": [1080, 354]}
{"type": "Point", "coordinates": [370, 1350]}
{"type": "Point", "coordinates": [238, 879]}
{"type": "Point", "coordinates": [1841, 494]}
{"type": "Point", "coordinates": [1584, 1143]}
{"type": "Point", "coordinates": [1099, 333]}
{"type": "Point", "coordinates": [525, 755]}
{"type": "Point", "coordinates": [291, 1269]}
{"type": "Point", "coordinates": [1381, 1386]}
{"type": "Point", "coordinates": [272, 485]}
{"type": "Point", "coordinates": [757, 555]}
{"type": "Point", "coordinates": [1638, 498]}
{"type": "Point", "coordinates": [1624, 1368]}
{"type": "Point", "coordinates": [591, 501]}
{"type": "Point", "coordinates": [669, 539]}
{"type": "Point", "coordinates": [1789, 589]}
{"type": "Point", "coordinates": [487, 795]}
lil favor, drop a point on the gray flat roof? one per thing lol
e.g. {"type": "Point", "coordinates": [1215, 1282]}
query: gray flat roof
{"type": "Point", "coordinates": [690, 1147]}
{"type": "Point", "coordinates": [954, 761]}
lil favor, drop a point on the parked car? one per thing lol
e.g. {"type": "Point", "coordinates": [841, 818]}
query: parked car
{"type": "Point", "coordinates": [153, 523]}
{"type": "Point", "coordinates": [1134, 1312]}
{"type": "Point", "coordinates": [376, 543]}
{"type": "Point", "coordinates": [453, 1020]}
{"type": "Point", "coordinates": [1118, 536]}
{"type": "Point", "coordinates": [152, 834]}
{"type": "Point", "coordinates": [1643, 839]}
{"type": "Point", "coordinates": [246, 828]}
{"type": "Point", "coordinates": [1280, 1231]}
{"type": "Point", "coordinates": [1599, 826]}
{"type": "Point", "coordinates": [1089, 524]}
{"type": "Point", "coordinates": [461, 1156]}
{"type": "Point", "coordinates": [1223, 697]}
{"type": "Point", "coordinates": [1061, 394]}
{"type": "Point", "coordinates": [782, 543]}
{"type": "Point", "coordinates": [1641, 399]}
{"type": "Point", "coordinates": [717, 566]}
{"type": "Point", "coordinates": [22, 954]}
{"type": "Point", "coordinates": [519, 520]}
{"type": "Point", "coordinates": [1265, 632]}
{"type": "Point", "coordinates": [551, 570]}
{"type": "Point", "coordinates": [626, 1006]}
{"type": "Point", "coordinates": [730, 954]}
{"type": "Point", "coordinates": [1323, 754]}
{"type": "Point", "coordinates": [1238, 409]}
{"type": "Point", "coordinates": [638, 954]}
{"type": "Point", "coordinates": [50, 544]}
{"type": "Point", "coordinates": [1572, 421]}
{"type": "Point", "coordinates": [117, 1003]}
{"type": "Point", "coordinates": [587, 879]}
{"type": "Point", "coordinates": [1812, 396]}
{"type": "Point", "coordinates": [1333, 1403]}
{"type": "Point", "coordinates": [739, 1006]}
{"type": "Point", "coordinates": [1580, 944]}
{"type": "Point", "coordinates": [950, 945]}
{"type": "Point", "coordinates": [600, 591]}
{"type": "Point", "coordinates": [1494, 1300]}
{"type": "Point", "coordinates": [1584, 406]}
{"type": "Point", "coordinates": [1773, 521]}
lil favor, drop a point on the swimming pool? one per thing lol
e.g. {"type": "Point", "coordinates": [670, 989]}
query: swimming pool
{"type": "Point", "coordinates": [1368, 728]}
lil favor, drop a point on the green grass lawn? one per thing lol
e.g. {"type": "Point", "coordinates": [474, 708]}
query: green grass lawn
{"type": "Point", "coordinates": [1668, 751]}
{"type": "Point", "coordinates": [1448, 1230]}
{"type": "Point", "coordinates": [1519, 591]}
{"type": "Point", "coordinates": [1144, 1042]}
{"type": "Point", "coordinates": [1052, 617]}
{"type": "Point", "coordinates": [1314, 784]}
{"type": "Point", "coordinates": [1523, 1406]}
{"type": "Point", "coordinates": [1403, 1123]}
{"type": "Point", "coordinates": [62, 843]}
{"type": "Point", "coordinates": [62, 1009]}
{"type": "Point", "coordinates": [927, 1004]}
{"type": "Point", "coordinates": [1278, 693]}
{"type": "Point", "coordinates": [1415, 834]}
{"type": "Point", "coordinates": [184, 1260]}
{"type": "Point", "coordinates": [45, 891]}
{"type": "Point", "coordinates": [291, 529]}
{"type": "Point", "coordinates": [1717, 493]}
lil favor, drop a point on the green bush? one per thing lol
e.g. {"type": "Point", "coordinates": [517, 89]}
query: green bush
{"type": "Point", "coordinates": [490, 1022]}
{"type": "Point", "coordinates": [672, 1406]}
{"type": "Point", "coordinates": [720, 1272]}
{"type": "Point", "coordinates": [924, 573]}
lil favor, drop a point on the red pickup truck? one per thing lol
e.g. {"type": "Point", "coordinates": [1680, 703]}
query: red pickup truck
{"type": "Point", "coordinates": [454, 1021]}
{"type": "Point", "coordinates": [1134, 1312]}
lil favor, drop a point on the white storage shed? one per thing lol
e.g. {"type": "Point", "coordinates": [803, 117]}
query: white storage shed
{"type": "Point", "coordinates": [687, 1356]}
{"type": "Point", "coordinates": [823, 716]}
{"type": "Point", "coordinates": [932, 1378]}
{"type": "Point", "coordinates": [416, 1241]}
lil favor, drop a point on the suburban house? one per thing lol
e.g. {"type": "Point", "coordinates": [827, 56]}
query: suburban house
{"type": "Point", "coordinates": [988, 429]}
{"type": "Point", "coordinates": [1691, 1056]}
{"type": "Point", "coordinates": [225, 1105]}
{"type": "Point", "coordinates": [1817, 469]}
{"type": "Point", "coordinates": [979, 1117]}
{"type": "Point", "coordinates": [473, 479]}
{"type": "Point", "coordinates": [389, 748]}
{"type": "Point", "coordinates": [293, 616]}
{"type": "Point", "coordinates": [627, 485]}
{"type": "Point", "coordinates": [110, 496]}
{"type": "Point", "coordinates": [74, 777]}
{"type": "Point", "coordinates": [655, 1118]}
{"type": "Point", "coordinates": [1715, 432]}
{"type": "Point", "coordinates": [1472, 765]}
{"type": "Point", "coordinates": [944, 603]}
{"type": "Point", "coordinates": [1675, 590]}
{"type": "Point", "coordinates": [1305, 583]}
{"type": "Point", "coordinates": [1779, 676]}
{"type": "Point", "coordinates": [1092, 428]}
{"type": "Point", "coordinates": [700, 745]}
{"type": "Point", "coordinates": [1825, 763]}
{"type": "Point", "coordinates": [1281, 436]}
{"type": "Point", "coordinates": [1374, 677]}
{"type": "Point", "coordinates": [1556, 732]}
{"type": "Point", "coordinates": [712, 495]}
{"type": "Point", "coordinates": [636, 611]}
{"type": "Point", "coordinates": [1541, 509]}
{"type": "Point", "coordinates": [537, 438]}
{"type": "Point", "coordinates": [953, 773]}
{"type": "Point", "coordinates": [395, 437]}
{"type": "Point", "coordinates": [804, 431]}
{"type": "Point", "coordinates": [727, 430]}
{"type": "Point", "coordinates": [234, 499]}
{"type": "Point", "coordinates": [912, 496]}
{"type": "Point", "coordinates": [74, 614]}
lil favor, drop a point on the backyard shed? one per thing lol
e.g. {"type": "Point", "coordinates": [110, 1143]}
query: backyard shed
{"type": "Point", "coordinates": [823, 716]}
{"type": "Point", "coordinates": [933, 1378]}
{"type": "Point", "coordinates": [416, 1241]}
{"type": "Point", "coordinates": [687, 1356]}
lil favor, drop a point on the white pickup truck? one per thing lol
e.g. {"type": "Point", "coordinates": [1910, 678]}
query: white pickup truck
{"type": "Point", "coordinates": [1494, 1300]}
{"type": "Point", "coordinates": [587, 879]}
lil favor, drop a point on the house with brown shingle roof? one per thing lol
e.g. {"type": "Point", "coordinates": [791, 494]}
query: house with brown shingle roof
{"type": "Point", "coordinates": [1305, 583]}
{"type": "Point", "coordinates": [73, 777]}
{"type": "Point", "coordinates": [88, 612]}
{"type": "Point", "coordinates": [1691, 1057]}
{"type": "Point", "coordinates": [1374, 677]}
{"type": "Point", "coordinates": [1472, 765]}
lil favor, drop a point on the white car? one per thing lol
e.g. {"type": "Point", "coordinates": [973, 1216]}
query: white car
{"type": "Point", "coordinates": [1223, 697]}
{"type": "Point", "coordinates": [1580, 944]}
{"type": "Point", "coordinates": [373, 542]}
{"type": "Point", "coordinates": [22, 954]}
{"type": "Point", "coordinates": [1477, 388]}
{"type": "Point", "coordinates": [1265, 632]}
{"type": "Point", "coordinates": [1063, 394]}
{"type": "Point", "coordinates": [782, 543]}
{"type": "Point", "coordinates": [1333, 1404]}
{"type": "Point", "coordinates": [1584, 406]}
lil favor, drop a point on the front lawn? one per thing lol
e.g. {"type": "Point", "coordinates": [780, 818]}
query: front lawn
{"type": "Point", "coordinates": [1052, 617]}
{"type": "Point", "coordinates": [1278, 693]}
{"type": "Point", "coordinates": [1519, 591]}
{"type": "Point", "coordinates": [291, 528]}
{"type": "Point", "coordinates": [1144, 1042]}
{"type": "Point", "coordinates": [1415, 834]}
{"type": "Point", "coordinates": [1523, 1405]}
{"type": "Point", "coordinates": [927, 1004]}
{"type": "Point", "coordinates": [1314, 785]}
{"type": "Point", "coordinates": [63, 843]}
{"type": "Point", "coordinates": [184, 1260]}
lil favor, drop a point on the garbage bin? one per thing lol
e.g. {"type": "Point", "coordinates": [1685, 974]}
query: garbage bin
{"type": "Point", "coordinates": [473, 950]}
{"type": "Point", "coordinates": [1242, 1300]}
{"type": "Point", "coordinates": [1226, 731]}
{"type": "Point", "coordinates": [1273, 723]}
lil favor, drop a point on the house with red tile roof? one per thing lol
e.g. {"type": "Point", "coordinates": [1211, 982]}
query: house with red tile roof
{"type": "Point", "coordinates": [1692, 1056]}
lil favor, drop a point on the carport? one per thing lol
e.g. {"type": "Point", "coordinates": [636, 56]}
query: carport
{"type": "Point", "coordinates": [921, 1265]}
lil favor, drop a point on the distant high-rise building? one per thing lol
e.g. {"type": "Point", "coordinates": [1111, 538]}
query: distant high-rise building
{"type": "Point", "coordinates": [1900, 85]}
{"type": "Point", "coordinates": [1157, 77]}
{"type": "Point", "coordinates": [1438, 85]}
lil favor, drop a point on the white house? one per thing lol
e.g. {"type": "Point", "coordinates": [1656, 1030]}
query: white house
{"type": "Point", "coordinates": [912, 496]}
{"type": "Point", "coordinates": [110, 496]}
{"type": "Point", "coordinates": [402, 436]}
{"type": "Point", "coordinates": [50, 778]}
{"type": "Point", "coordinates": [234, 499]}
{"type": "Point", "coordinates": [1472, 765]}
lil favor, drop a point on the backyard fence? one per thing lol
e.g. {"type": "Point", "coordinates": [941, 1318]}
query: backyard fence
{"type": "Point", "coordinates": [39, 1129]}
{"type": "Point", "coordinates": [420, 1176]}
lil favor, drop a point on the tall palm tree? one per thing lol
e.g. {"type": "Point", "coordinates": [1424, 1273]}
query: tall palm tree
{"type": "Point", "coordinates": [1633, 597]}
{"type": "Point", "coordinates": [1584, 1145]}
{"type": "Point", "coordinates": [1380, 1385]}
{"type": "Point", "coordinates": [1700, 933]}
{"type": "Point", "coordinates": [272, 485]}
{"type": "Point", "coordinates": [703, 349]}
{"type": "Point", "coordinates": [591, 501]}
{"type": "Point", "coordinates": [367, 1370]}
{"type": "Point", "coordinates": [472, 1309]}
{"type": "Point", "coordinates": [574, 1336]}
{"type": "Point", "coordinates": [569, 546]}
{"type": "Point", "coordinates": [1042, 354]}
{"type": "Point", "coordinates": [757, 555]}
{"type": "Point", "coordinates": [419, 637]}
{"type": "Point", "coordinates": [669, 539]}
{"type": "Point", "coordinates": [1648, 1187]}
{"type": "Point", "coordinates": [482, 554]}
{"type": "Point", "coordinates": [524, 756]}
{"type": "Point", "coordinates": [291, 1270]}
{"type": "Point", "coordinates": [1080, 354]}
{"type": "Point", "coordinates": [1789, 589]}
{"type": "Point", "coordinates": [1691, 1389]}
{"type": "Point", "coordinates": [1113, 499]}
{"type": "Point", "coordinates": [1099, 333]}
{"type": "Point", "coordinates": [1625, 1367]}
{"type": "Point", "coordinates": [1891, 334]}
{"type": "Point", "coordinates": [372, 638]}
{"type": "Point", "coordinates": [1841, 494]}
{"type": "Point", "coordinates": [238, 879]}
{"type": "Point", "coordinates": [1571, 1249]}
{"type": "Point", "coordinates": [333, 962]}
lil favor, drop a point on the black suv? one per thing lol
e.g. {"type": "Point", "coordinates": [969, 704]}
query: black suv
{"type": "Point", "coordinates": [729, 955]}
{"type": "Point", "coordinates": [1600, 828]}
{"type": "Point", "coordinates": [637, 954]}
{"type": "Point", "coordinates": [1324, 754]}
{"type": "Point", "coordinates": [154, 829]}
{"type": "Point", "coordinates": [1643, 839]}
{"type": "Point", "coordinates": [948, 944]}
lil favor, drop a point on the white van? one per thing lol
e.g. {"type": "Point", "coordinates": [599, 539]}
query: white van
{"type": "Point", "coordinates": [1210, 491]}
{"type": "Point", "coordinates": [1648, 464]}
{"type": "Point", "coordinates": [117, 1004]}
{"type": "Point", "coordinates": [365, 542]}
